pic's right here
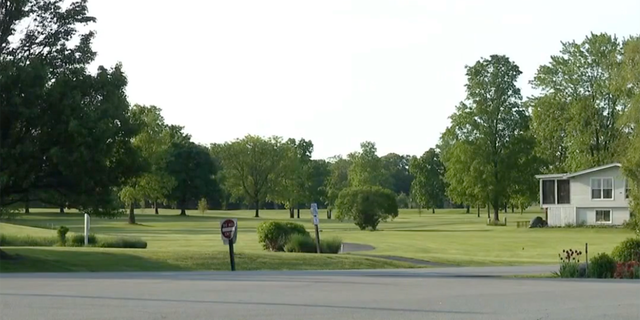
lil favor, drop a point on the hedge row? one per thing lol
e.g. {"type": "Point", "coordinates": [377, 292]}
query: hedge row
{"type": "Point", "coordinates": [76, 240]}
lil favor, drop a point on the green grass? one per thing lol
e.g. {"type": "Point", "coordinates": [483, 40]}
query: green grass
{"type": "Point", "coordinates": [193, 242]}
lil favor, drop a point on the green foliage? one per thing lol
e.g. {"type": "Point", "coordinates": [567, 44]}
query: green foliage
{"type": "Point", "coordinates": [403, 201]}
{"type": "Point", "coordinates": [338, 179]}
{"type": "Point", "coordinates": [62, 235]}
{"type": "Point", "coordinates": [273, 235]}
{"type": "Point", "coordinates": [300, 243]}
{"type": "Point", "coordinates": [203, 206]}
{"type": "Point", "coordinates": [602, 266]}
{"type": "Point", "coordinates": [627, 250]}
{"type": "Point", "coordinates": [330, 245]}
{"type": "Point", "coordinates": [367, 206]}
{"type": "Point", "coordinates": [366, 167]}
{"type": "Point", "coordinates": [489, 138]}
{"type": "Point", "coordinates": [252, 165]}
{"type": "Point", "coordinates": [293, 180]}
{"type": "Point", "coordinates": [396, 168]}
{"type": "Point", "coordinates": [77, 240]}
{"type": "Point", "coordinates": [570, 264]}
{"type": "Point", "coordinates": [10, 240]}
{"type": "Point", "coordinates": [428, 187]}
{"type": "Point", "coordinates": [121, 242]}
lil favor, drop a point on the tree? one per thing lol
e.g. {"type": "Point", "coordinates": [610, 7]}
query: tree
{"type": "Point", "coordinates": [576, 119]}
{"type": "Point", "coordinates": [320, 171]}
{"type": "Point", "coordinates": [337, 181]}
{"type": "Point", "coordinates": [193, 170]}
{"type": "Point", "coordinates": [396, 167]}
{"type": "Point", "coordinates": [367, 206]}
{"type": "Point", "coordinates": [292, 183]}
{"type": "Point", "coordinates": [489, 132]}
{"type": "Point", "coordinates": [153, 143]}
{"type": "Point", "coordinates": [252, 166]}
{"type": "Point", "coordinates": [62, 129]}
{"type": "Point", "coordinates": [366, 167]}
{"type": "Point", "coordinates": [428, 186]}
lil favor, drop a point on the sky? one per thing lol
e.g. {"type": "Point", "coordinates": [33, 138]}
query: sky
{"type": "Point", "coordinates": [337, 72]}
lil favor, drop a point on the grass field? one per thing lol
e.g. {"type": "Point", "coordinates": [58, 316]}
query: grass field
{"type": "Point", "coordinates": [193, 242]}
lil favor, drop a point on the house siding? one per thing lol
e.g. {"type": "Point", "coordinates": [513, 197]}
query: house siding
{"type": "Point", "coordinates": [561, 215]}
{"type": "Point", "coordinates": [588, 215]}
{"type": "Point", "coordinates": [581, 190]}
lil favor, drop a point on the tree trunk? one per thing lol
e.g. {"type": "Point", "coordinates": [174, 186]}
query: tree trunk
{"type": "Point", "coordinates": [291, 213]}
{"type": "Point", "coordinates": [468, 208]}
{"type": "Point", "coordinates": [183, 207]}
{"type": "Point", "coordinates": [433, 210]}
{"type": "Point", "coordinates": [183, 211]}
{"type": "Point", "coordinates": [513, 208]}
{"type": "Point", "coordinates": [328, 214]}
{"type": "Point", "coordinates": [488, 211]}
{"type": "Point", "coordinates": [506, 207]}
{"type": "Point", "coordinates": [26, 205]}
{"type": "Point", "coordinates": [478, 211]}
{"type": "Point", "coordinates": [61, 209]}
{"type": "Point", "coordinates": [155, 207]}
{"type": "Point", "coordinates": [496, 214]}
{"type": "Point", "coordinates": [298, 211]}
{"type": "Point", "coordinates": [257, 209]}
{"type": "Point", "coordinates": [132, 217]}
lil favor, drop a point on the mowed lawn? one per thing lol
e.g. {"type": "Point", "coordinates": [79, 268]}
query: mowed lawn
{"type": "Point", "coordinates": [193, 242]}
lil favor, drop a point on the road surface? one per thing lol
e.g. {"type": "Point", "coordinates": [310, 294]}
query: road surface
{"type": "Point", "coordinates": [447, 293]}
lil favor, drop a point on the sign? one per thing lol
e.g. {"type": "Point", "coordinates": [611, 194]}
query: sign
{"type": "Point", "coordinates": [87, 228]}
{"type": "Point", "coordinates": [229, 234]}
{"type": "Point", "coordinates": [314, 209]}
{"type": "Point", "coordinates": [316, 220]}
{"type": "Point", "coordinates": [228, 230]}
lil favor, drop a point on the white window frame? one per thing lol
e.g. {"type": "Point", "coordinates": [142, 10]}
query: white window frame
{"type": "Point", "coordinates": [602, 179]}
{"type": "Point", "coordinates": [595, 213]}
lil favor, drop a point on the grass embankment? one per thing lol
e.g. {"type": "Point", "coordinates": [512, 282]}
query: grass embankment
{"type": "Point", "coordinates": [193, 242]}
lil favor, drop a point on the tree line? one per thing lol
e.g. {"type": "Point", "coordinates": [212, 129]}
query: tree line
{"type": "Point", "coordinates": [71, 139]}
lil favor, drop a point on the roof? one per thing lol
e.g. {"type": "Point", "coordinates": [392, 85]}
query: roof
{"type": "Point", "coordinates": [578, 173]}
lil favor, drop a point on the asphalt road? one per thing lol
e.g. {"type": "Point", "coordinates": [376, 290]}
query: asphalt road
{"type": "Point", "coordinates": [447, 293]}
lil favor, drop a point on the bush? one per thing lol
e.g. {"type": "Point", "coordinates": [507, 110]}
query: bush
{"type": "Point", "coordinates": [77, 240]}
{"type": "Point", "coordinates": [62, 235]}
{"type": "Point", "coordinates": [121, 242]}
{"type": "Point", "coordinates": [330, 245]}
{"type": "Point", "coordinates": [274, 235]}
{"type": "Point", "coordinates": [27, 241]}
{"type": "Point", "coordinates": [627, 270]}
{"type": "Point", "coordinates": [627, 250]}
{"type": "Point", "coordinates": [203, 206]}
{"type": "Point", "coordinates": [602, 266]}
{"type": "Point", "coordinates": [570, 264]}
{"type": "Point", "coordinates": [367, 206]}
{"type": "Point", "coordinates": [300, 243]}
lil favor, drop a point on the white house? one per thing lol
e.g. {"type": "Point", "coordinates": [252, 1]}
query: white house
{"type": "Point", "coordinates": [594, 196]}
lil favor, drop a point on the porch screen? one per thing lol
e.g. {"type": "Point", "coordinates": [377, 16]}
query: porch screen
{"type": "Point", "coordinates": [548, 192]}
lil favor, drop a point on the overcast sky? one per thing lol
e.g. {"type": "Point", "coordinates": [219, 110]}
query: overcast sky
{"type": "Point", "coordinates": [337, 72]}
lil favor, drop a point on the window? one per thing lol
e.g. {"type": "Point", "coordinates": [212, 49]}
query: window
{"type": "Point", "coordinates": [602, 188]}
{"type": "Point", "coordinates": [548, 192]}
{"type": "Point", "coordinates": [564, 192]}
{"type": "Point", "coordinates": [627, 189]}
{"type": "Point", "coordinates": [603, 216]}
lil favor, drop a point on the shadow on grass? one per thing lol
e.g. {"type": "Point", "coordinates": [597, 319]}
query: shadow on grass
{"type": "Point", "coordinates": [47, 260]}
{"type": "Point", "coordinates": [436, 230]}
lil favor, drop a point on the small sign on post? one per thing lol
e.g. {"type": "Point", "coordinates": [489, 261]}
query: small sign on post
{"type": "Point", "coordinates": [316, 222]}
{"type": "Point", "coordinates": [87, 228]}
{"type": "Point", "coordinates": [229, 234]}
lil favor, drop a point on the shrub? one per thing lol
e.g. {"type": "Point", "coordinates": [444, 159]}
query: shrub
{"type": "Point", "coordinates": [27, 241]}
{"type": "Point", "coordinates": [77, 240]}
{"type": "Point", "coordinates": [330, 245]}
{"type": "Point", "coordinates": [627, 250]}
{"type": "Point", "coordinates": [121, 242]}
{"type": "Point", "coordinates": [300, 243]}
{"type": "Point", "coordinates": [273, 235]}
{"type": "Point", "coordinates": [602, 266]}
{"type": "Point", "coordinates": [367, 206]}
{"type": "Point", "coordinates": [202, 205]}
{"type": "Point", "coordinates": [62, 235]}
{"type": "Point", "coordinates": [627, 270]}
{"type": "Point", "coordinates": [570, 264]}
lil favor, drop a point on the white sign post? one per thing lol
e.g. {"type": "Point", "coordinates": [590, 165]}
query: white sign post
{"type": "Point", "coordinates": [87, 228]}
{"type": "Point", "coordinates": [316, 222]}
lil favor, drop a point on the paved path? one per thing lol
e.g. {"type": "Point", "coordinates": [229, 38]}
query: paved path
{"type": "Point", "coordinates": [354, 248]}
{"type": "Point", "coordinates": [448, 293]}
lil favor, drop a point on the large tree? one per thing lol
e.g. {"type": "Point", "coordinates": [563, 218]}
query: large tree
{"type": "Point", "coordinates": [252, 166]}
{"type": "Point", "coordinates": [63, 130]}
{"type": "Point", "coordinates": [428, 187]}
{"type": "Point", "coordinates": [337, 180]}
{"type": "Point", "coordinates": [153, 143]}
{"type": "Point", "coordinates": [396, 168]}
{"type": "Point", "coordinates": [366, 167]}
{"type": "Point", "coordinates": [292, 183]}
{"type": "Point", "coordinates": [576, 118]}
{"type": "Point", "coordinates": [489, 132]}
